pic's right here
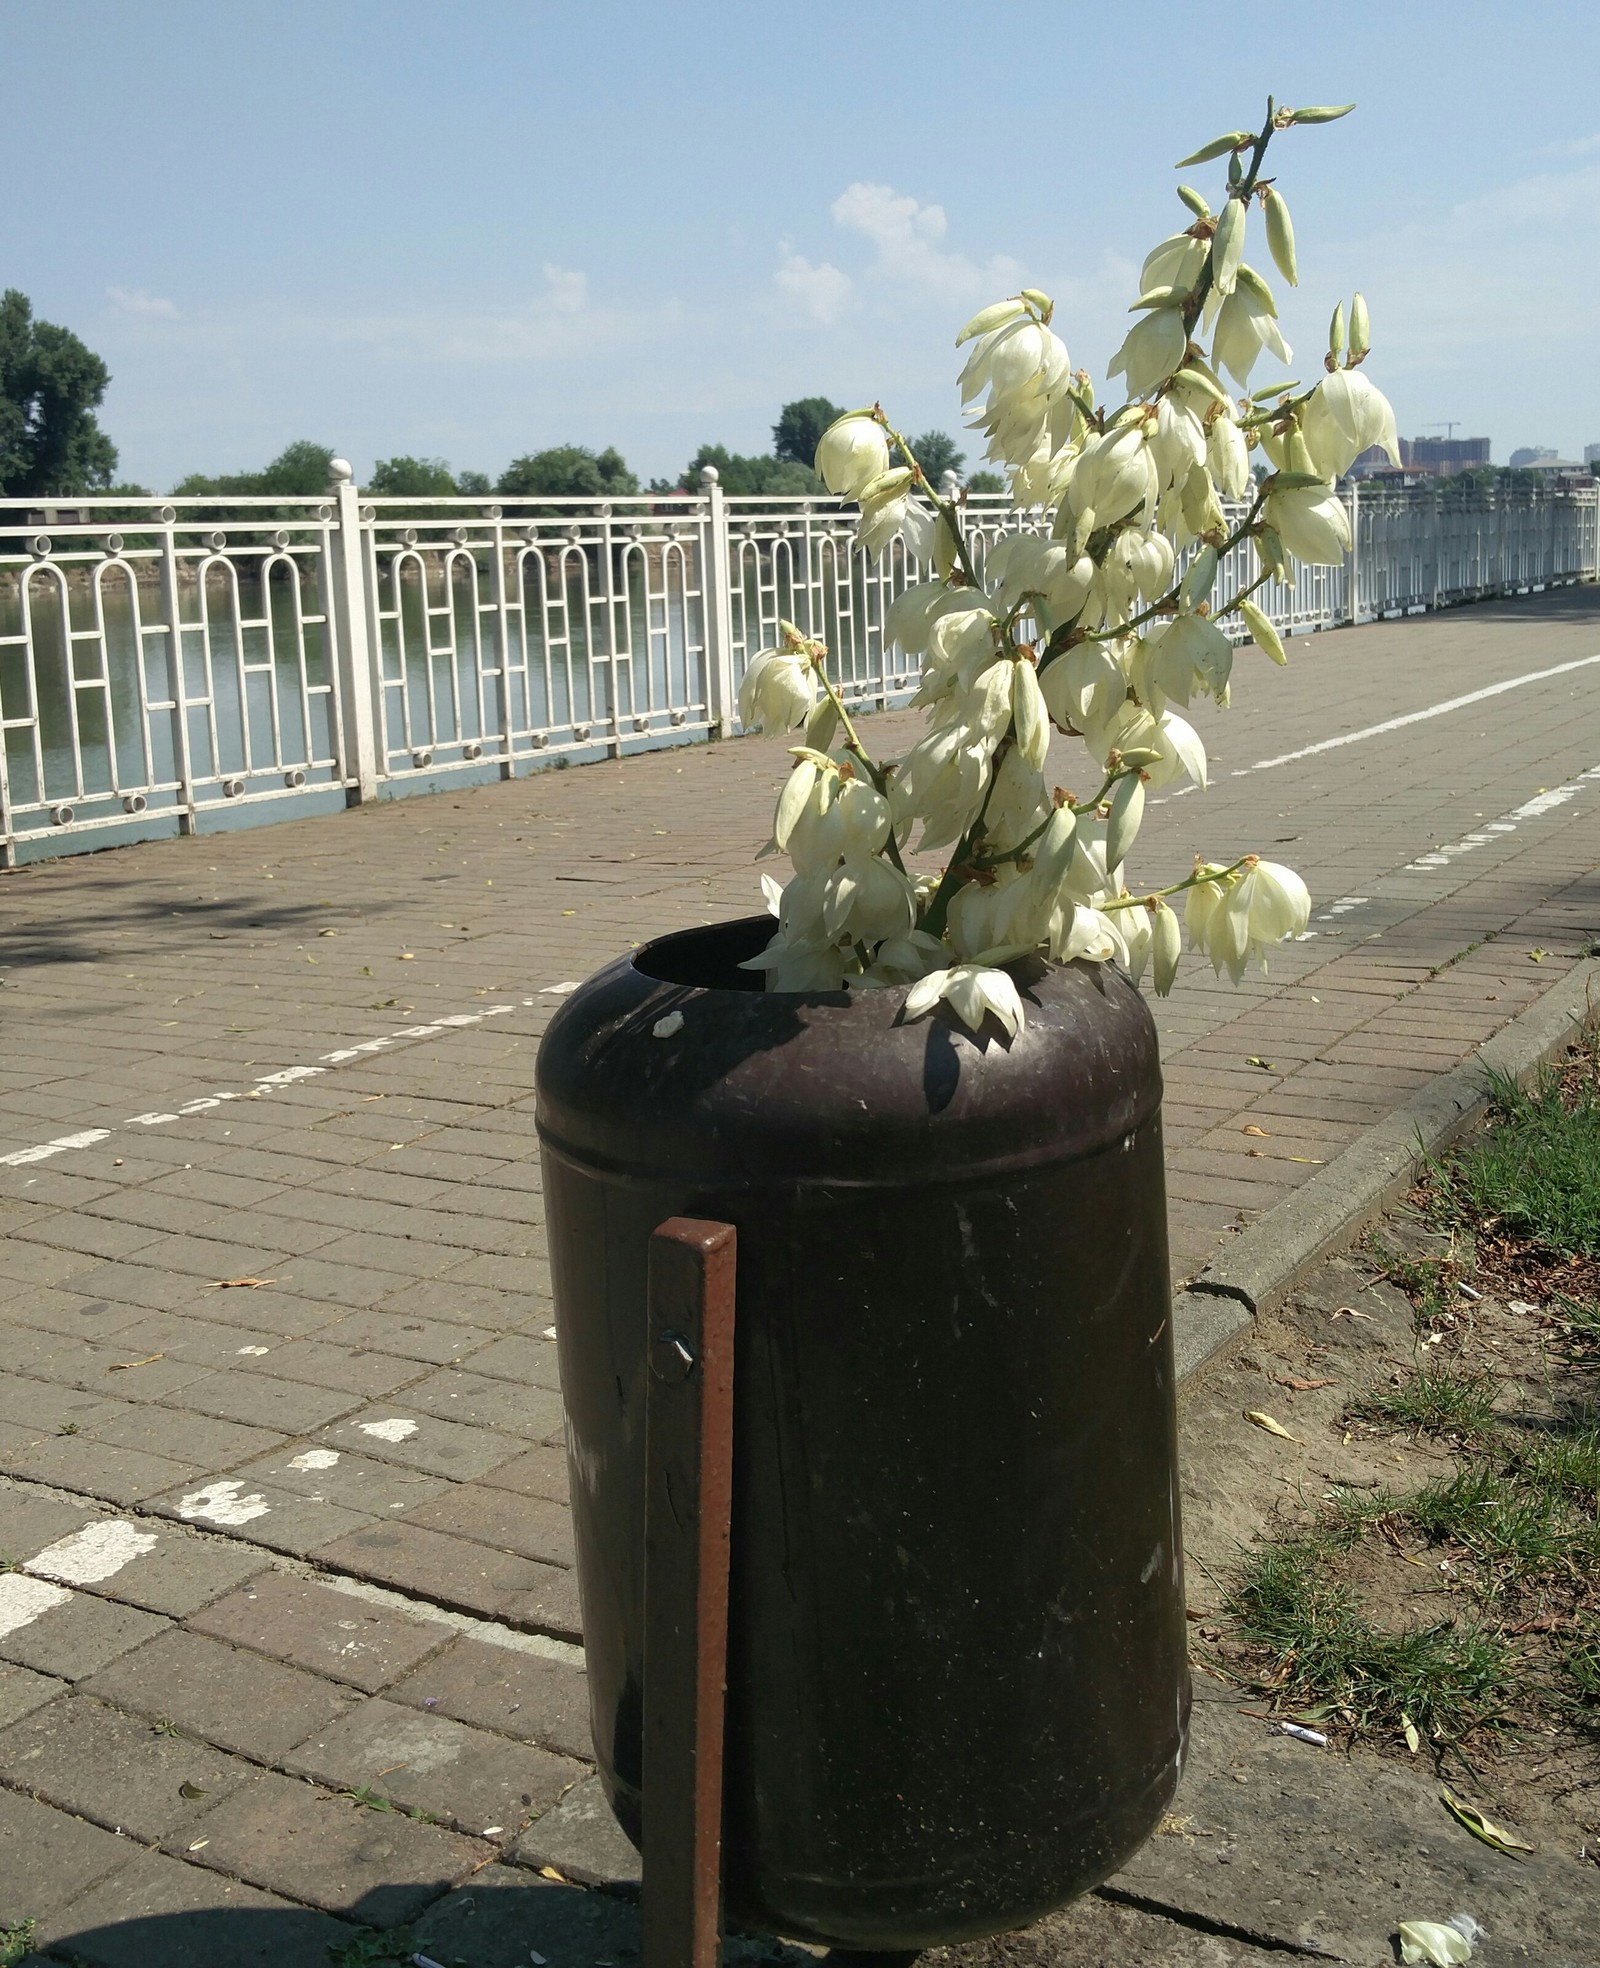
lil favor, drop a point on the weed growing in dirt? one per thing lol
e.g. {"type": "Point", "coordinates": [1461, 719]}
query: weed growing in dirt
{"type": "Point", "coordinates": [1435, 1401]}
{"type": "Point", "coordinates": [15, 1942]}
{"type": "Point", "coordinates": [1450, 1678]}
{"type": "Point", "coordinates": [1516, 1528]}
{"type": "Point", "coordinates": [1535, 1172]}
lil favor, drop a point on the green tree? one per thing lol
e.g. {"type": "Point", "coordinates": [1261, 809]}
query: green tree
{"type": "Point", "coordinates": [568, 470]}
{"type": "Point", "coordinates": [986, 481]}
{"type": "Point", "coordinates": [746, 477]}
{"type": "Point", "coordinates": [300, 471]}
{"type": "Point", "coordinates": [470, 484]}
{"type": "Point", "coordinates": [50, 387]}
{"type": "Point", "coordinates": [412, 478]}
{"type": "Point", "coordinates": [800, 426]}
{"type": "Point", "coordinates": [937, 453]}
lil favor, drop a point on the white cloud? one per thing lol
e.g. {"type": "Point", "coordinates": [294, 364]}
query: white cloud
{"type": "Point", "coordinates": [569, 291]}
{"type": "Point", "coordinates": [821, 291]}
{"type": "Point", "coordinates": [135, 301]}
{"type": "Point", "coordinates": [906, 235]}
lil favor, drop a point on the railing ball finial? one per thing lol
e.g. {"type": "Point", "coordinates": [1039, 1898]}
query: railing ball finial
{"type": "Point", "coordinates": [709, 475]}
{"type": "Point", "coordinates": [340, 472]}
{"type": "Point", "coordinates": [949, 485]}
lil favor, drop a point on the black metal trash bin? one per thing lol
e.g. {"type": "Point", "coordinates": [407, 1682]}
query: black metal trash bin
{"type": "Point", "coordinates": [958, 1688]}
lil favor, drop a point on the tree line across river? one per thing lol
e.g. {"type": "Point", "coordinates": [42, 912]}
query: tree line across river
{"type": "Point", "coordinates": [52, 446]}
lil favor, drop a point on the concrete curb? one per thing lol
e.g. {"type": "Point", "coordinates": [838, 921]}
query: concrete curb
{"type": "Point", "coordinates": [1336, 1205]}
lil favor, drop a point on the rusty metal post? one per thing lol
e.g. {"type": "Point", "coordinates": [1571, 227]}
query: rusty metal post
{"type": "Point", "coordinates": [689, 1472]}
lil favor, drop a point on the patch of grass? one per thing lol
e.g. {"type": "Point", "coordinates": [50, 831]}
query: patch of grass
{"type": "Point", "coordinates": [1581, 1666]}
{"type": "Point", "coordinates": [1517, 1528]}
{"type": "Point", "coordinates": [365, 1798]}
{"type": "Point", "coordinates": [1535, 1171]}
{"type": "Point", "coordinates": [1435, 1401]}
{"type": "Point", "coordinates": [15, 1942]}
{"type": "Point", "coordinates": [367, 1948]}
{"type": "Point", "coordinates": [1450, 1679]}
{"type": "Point", "coordinates": [1565, 1456]}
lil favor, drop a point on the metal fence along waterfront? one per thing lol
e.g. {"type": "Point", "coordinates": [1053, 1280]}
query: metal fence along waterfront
{"type": "Point", "coordinates": [168, 664]}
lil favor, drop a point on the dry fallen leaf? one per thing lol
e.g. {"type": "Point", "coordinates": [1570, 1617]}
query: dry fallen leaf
{"type": "Point", "coordinates": [1251, 1128]}
{"type": "Point", "coordinates": [1299, 1386]}
{"type": "Point", "coordinates": [1413, 1740]}
{"type": "Point", "coordinates": [122, 1366]}
{"type": "Point", "coordinates": [1317, 1160]}
{"type": "Point", "coordinates": [1266, 1421]}
{"type": "Point", "coordinates": [1350, 1312]}
{"type": "Point", "coordinates": [1482, 1827]}
{"type": "Point", "coordinates": [239, 1284]}
{"type": "Point", "coordinates": [1266, 1065]}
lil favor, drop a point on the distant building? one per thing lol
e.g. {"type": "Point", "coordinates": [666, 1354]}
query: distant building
{"type": "Point", "coordinates": [1423, 457]}
{"type": "Point", "coordinates": [1533, 454]}
{"type": "Point", "coordinates": [1591, 454]}
{"type": "Point", "coordinates": [1444, 456]}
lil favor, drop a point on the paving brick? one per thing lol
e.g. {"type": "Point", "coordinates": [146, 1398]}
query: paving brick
{"type": "Point", "coordinates": [116, 1770]}
{"type": "Point", "coordinates": [482, 1784]}
{"type": "Point", "coordinates": [158, 1912]}
{"type": "Point", "coordinates": [354, 1370]}
{"type": "Point", "coordinates": [442, 1448]}
{"type": "Point", "coordinates": [513, 1693]}
{"type": "Point", "coordinates": [284, 1407]}
{"type": "Point", "coordinates": [432, 1340]}
{"type": "Point", "coordinates": [220, 1693]}
{"type": "Point", "coordinates": [582, 1840]}
{"type": "Point", "coordinates": [100, 1368]}
{"type": "Point", "coordinates": [530, 1361]}
{"type": "Point", "coordinates": [78, 1462]}
{"type": "Point", "coordinates": [78, 1635]}
{"type": "Point", "coordinates": [484, 1402]}
{"type": "Point", "coordinates": [312, 1846]}
{"type": "Point", "coordinates": [46, 1857]}
{"type": "Point", "coordinates": [351, 1482]}
{"type": "Point", "coordinates": [453, 1572]}
{"type": "Point", "coordinates": [312, 1626]}
{"type": "Point", "coordinates": [22, 1691]}
{"type": "Point", "coordinates": [28, 1521]}
{"type": "Point", "coordinates": [201, 1439]}
{"type": "Point", "coordinates": [182, 1573]}
{"type": "Point", "coordinates": [534, 1527]}
{"type": "Point", "coordinates": [276, 1517]}
{"type": "Point", "coordinates": [540, 1472]}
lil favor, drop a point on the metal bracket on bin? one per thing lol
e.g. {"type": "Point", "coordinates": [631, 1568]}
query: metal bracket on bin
{"type": "Point", "coordinates": [689, 1473]}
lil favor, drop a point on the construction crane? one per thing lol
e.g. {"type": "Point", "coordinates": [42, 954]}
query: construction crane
{"type": "Point", "coordinates": [1449, 428]}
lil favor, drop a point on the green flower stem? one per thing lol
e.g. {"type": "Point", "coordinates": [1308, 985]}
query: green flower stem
{"type": "Point", "coordinates": [1177, 888]}
{"type": "Point", "coordinates": [946, 508]}
{"type": "Point", "coordinates": [1244, 594]}
{"type": "Point", "coordinates": [858, 751]}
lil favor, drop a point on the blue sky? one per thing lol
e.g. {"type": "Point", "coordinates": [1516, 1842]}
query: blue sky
{"type": "Point", "coordinates": [474, 229]}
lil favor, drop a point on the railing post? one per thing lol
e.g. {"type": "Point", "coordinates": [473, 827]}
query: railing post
{"type": "Point", "coordinates": [1354, 575]}
{"type": "Point", "coordinates": [172, 607]}
{"type": "Point", "coordinates": [355, 676]}
{"type": "Point", "coordinates": [716, 577]}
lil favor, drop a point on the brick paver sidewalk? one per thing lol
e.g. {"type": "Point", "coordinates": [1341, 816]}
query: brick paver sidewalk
{"type": "Point", "coordinates": [278, 1308]}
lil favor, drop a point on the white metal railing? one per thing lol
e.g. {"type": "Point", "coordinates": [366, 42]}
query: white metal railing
{"type": "Point", "coordinates": [166, 661]}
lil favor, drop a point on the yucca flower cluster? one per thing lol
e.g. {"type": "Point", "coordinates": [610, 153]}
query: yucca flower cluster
{"type": "Point", "coordinates": [1101, 619]}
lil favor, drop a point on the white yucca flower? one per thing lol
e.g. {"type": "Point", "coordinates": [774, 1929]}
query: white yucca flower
{"type": "Point", "coordinates": [1311, 522]}
{"type": "Point", "coordinates": [778, 690]}
{"type": "Point", "coordinates": [972, 990]}
{"type": "Point", "coordinates": [1347, 415]}
{"type": "Point", "coordinates": [851, 454]}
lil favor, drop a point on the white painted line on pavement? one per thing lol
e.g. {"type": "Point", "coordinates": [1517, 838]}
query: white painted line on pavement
{"type": "Point", "coordinates": [1421, 717]}
{"type": "Point", "coordinates": [23, 1599]}
{"type": "Point", "coordinates": [96, 1552]}
{"type": "Point", "coordinates": [1486, 836]}
{"type": "Point", "coordinates": [266, 1083]}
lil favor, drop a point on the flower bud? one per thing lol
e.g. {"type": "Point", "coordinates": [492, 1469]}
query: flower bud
{"type": "Point", "coordinates": [1227, 246]}
{"type": "Point", "coordinates": [851, 454]}
{"type": "Point", "coordinates": [1262, 633]}
{"type": "Point", "coordinates": [1215, 148]}
{"type": "Point", "coordinates": [1028, 712]}
{"type": "Point", "coordinates": [1122, 823]}
{"type": "Point", "coordinates": [989, 318]}
{"type": "Point", "coordinates": [822, 724]}
{"type": "Point", "coordinates": [1280, 235]}
{"type": "Point", "coordinates": [1166, 946]}
{"type": "Point", "coordinates": [1323, 115]}
{"type": "Point", "coordinates": [1336, 331]}
{"type": "Point", "coordinates": [1360, 329]}
{"type": "Point", "coordinates": [1041, 301]}
{"type": "Point", "coordinates": [1194, 201]}
{"type": "Point", "coordinates": [1197, 582]}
